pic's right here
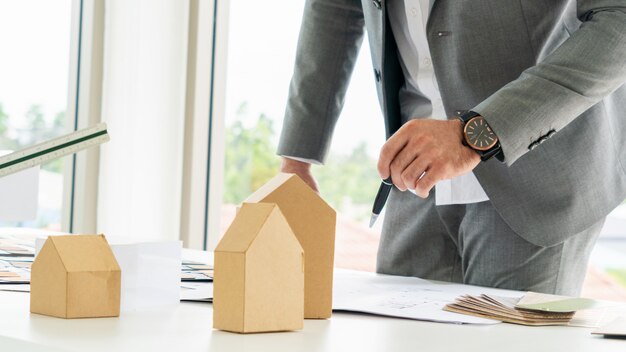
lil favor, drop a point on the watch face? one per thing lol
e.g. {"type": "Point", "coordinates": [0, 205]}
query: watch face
{"type": "Point", "coordinates": [479, 135]}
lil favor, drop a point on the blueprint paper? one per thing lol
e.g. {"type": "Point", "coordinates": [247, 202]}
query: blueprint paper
{"type": "Point", "coordinates": [196, 291]}
{"type": "Point", "coordinates": [405, 297]}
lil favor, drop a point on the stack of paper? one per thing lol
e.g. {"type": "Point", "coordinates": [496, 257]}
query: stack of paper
{"type": "Point", "coordinates": [508, 309]}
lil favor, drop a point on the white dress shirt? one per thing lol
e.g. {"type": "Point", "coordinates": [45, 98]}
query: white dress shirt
{"type": "Point", "coordinates": [408, 19]}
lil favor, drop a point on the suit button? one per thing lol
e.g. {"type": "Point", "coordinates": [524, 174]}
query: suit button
{"type": "Point", "coordinates": [377, 75]}
{"type": "Point", "coordinates": [443, 33]}
{"type": "Point", "coordinates": [377, 3]}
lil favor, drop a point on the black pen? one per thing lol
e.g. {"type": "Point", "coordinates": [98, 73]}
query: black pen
{"type": "Point", "coordinates": [381, 199]}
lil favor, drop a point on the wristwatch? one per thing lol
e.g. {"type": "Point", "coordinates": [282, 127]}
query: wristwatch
{"type": "Point", "coordinates": [478, 135]}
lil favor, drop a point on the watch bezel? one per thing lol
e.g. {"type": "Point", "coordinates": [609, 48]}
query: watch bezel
{"type": "Point", "coordinates": [467, 139]}
{"type": "Point", "coordinates": [496, 150]}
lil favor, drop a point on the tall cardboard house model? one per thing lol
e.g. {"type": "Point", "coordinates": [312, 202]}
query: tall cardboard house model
{"type": "Point", "coordinates": [75, 276]}
{"type": "Point", "coordinates": [258, 283]}
{"type": "Point", "coordinates": [314, 222]}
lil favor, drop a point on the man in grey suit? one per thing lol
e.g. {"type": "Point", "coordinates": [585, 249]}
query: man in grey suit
{"type": "Point", "coordinates": [507, 119]}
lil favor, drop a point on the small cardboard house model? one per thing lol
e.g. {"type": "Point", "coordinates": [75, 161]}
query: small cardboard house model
{"type": "Point", "coordinates": [75, 276]}
{"type": "Point", "coordinates": [258, 282]}
{"type": "Point", "coordinates": [314, 222]}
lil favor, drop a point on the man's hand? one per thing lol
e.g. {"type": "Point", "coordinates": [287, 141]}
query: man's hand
{"type": "Point", "coordinates": [301, 169]}
{"type": "Point", "coordinates": [433, 148]}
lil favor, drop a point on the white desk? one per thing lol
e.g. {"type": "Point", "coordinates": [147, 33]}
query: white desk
{"type": "Point", "coordinates": [187, 327]}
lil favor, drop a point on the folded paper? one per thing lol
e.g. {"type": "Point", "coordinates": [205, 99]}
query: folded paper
{"type": "Point", "coordinates": [151, 273]}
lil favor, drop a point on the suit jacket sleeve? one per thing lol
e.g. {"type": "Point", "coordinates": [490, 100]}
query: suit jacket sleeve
{"type": "Point", "coordinates": [330, 37]}
{"type": "Point", "coordinates": [586, 68]}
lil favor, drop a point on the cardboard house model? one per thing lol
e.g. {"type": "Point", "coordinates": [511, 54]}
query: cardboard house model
{"type": "Point", "coordinates": [258, 283]}
{"type": "Point", "coordinates": [75, 276]}
{"type": "Point", "coordinates": [313, 221]}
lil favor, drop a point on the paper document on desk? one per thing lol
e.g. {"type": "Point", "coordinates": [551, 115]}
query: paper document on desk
{"type": "Point", "coordinates": [196, 291]}
{"type": "Point", "coordinates": [615, 329]}
{"type": "Point", "coordinates": [19, 194]}
{"type": "Point", "coordinates": [405, 297]}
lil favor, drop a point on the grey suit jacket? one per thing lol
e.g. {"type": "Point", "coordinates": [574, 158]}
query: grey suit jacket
{"type": "Point", "coordinates": [548, 76]}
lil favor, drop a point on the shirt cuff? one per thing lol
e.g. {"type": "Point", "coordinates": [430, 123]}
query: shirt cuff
{"type": "Point", "coordinates": [304, 160]}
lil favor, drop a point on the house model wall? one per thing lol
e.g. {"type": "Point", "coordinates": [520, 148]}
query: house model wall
{"type": "Point", "coordinates": [75, 276]}
{"type": "Point", "coordinates": [258, 283]}
{"type": "Point", "coordinates": [314, 223]}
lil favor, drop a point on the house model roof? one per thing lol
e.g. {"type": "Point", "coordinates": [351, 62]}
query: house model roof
{"type": "Point", "coordinates": [249, 222]}
{"type": "Point", "coordinates": [289, 184]}
{"type": "Point", "coordinates": [84, 253]}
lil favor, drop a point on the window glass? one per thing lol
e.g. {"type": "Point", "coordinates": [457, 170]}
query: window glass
{"type": "Point", "coordinates": [35, 42]}
{"type": "Point", "coordinates": [261, 54]}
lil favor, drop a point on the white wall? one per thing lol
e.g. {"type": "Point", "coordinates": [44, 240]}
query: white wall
{"type": "Point", "coordinates": [143, 105]}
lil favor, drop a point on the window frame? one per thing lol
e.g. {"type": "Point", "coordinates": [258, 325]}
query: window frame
{"type": "Point", "coordinates": [204, 142]}
{"type": "Point", "coordinates": [84, 99]}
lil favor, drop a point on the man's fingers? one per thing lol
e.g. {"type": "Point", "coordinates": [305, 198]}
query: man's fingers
{"type": "Point", "coordinates": [426, 183]}
{"type": "Point", "coordinates": [301, 169]}
{"type": "Point", "coordinates": [425, 144]}
{"type": "Point", "coordinates": [388, 153]}
{"type": "Point", "coordinates": [414, 171]}
{"type": "Point", "coordinates": [399, 164]}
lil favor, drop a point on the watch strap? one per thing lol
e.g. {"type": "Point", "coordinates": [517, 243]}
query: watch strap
{"type": "Point", "coordinates": [468, 115]}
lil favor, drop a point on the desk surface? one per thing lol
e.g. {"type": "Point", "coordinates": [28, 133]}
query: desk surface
{"type": "Point", "coordinates": [187, 327]}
